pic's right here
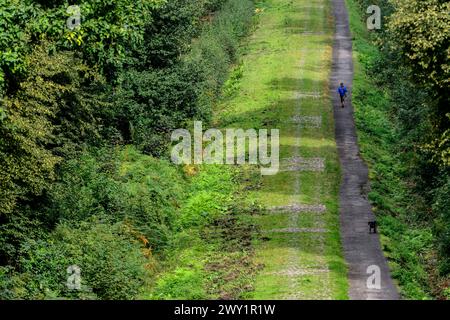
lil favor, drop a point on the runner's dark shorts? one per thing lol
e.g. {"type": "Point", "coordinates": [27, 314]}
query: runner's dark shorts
{"type": "Point", "coordinates": [342, 99]}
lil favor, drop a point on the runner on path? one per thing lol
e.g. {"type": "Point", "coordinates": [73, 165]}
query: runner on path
{"type": "Point", "coordinates": [342, 90]}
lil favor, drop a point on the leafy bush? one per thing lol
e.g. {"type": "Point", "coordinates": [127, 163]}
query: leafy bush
{"type": "Point", "coordinates": [53, 113]}
{"type": "Point", "coordinates": [109, 30]}
{"type": "Point", "coordinates": [112, 263]}
{"type": "Point", "coordinates": [86, 187]}
{"type": "Point", "coordinates": [154, 191]}
{"type": "Point", "coordinates": [217, 46]}
{"type": "Point", "coordinates": [442, 224]}
{"type": "Point", "coordinates": [171, 31]}
{"type": "Point", "coordinates": [13, 41]}
{"type": "Point", "coordinates": [153, 103]}
{"type": "Point", "coordinates": [126, 186]}
{"type": "Point", "coordinates": [210, 196]}
{"type": "Point", "coordinates": [149, 104]}
{"type": "Point", "coordinates": [181, 284]}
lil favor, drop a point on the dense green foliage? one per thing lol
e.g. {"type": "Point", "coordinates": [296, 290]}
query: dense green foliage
{"type": "Point", "coordinates": [83, 114]}
{"type": "Point", "coordinates": [149, 104]}
{"type": "Point", "coordinates": [85, 120]}
{"type": "Point", "coordinates": [108, 32]}
{"type": "Point", "coordinates": [55, 111]}
{"type": "Point", "coordinates": [111, 261]}
{"type": "Point", "coordinates": [420, 29]}
{"type": "Point", "coordinates": [403, 120]}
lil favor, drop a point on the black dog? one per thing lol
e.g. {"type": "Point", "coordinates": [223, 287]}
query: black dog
{"type": "Point", "coordinates": [372, 227]}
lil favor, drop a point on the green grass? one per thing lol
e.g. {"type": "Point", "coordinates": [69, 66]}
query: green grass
{"type": "Point", "coordinates": [407, 245]}
{"type": "Point", "coordinates": [210, 255]}
{"type": "Point", "coordinates": [288, 55]}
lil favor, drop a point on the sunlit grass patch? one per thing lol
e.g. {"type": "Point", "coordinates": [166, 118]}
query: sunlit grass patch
{"type": "Point", "coordinates": [285, 75]}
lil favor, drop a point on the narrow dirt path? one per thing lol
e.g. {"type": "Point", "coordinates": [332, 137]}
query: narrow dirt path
{"type": "Point", "coordinates": [361, 249]}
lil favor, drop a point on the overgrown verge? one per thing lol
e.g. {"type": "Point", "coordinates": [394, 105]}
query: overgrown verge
{"type": "Point", "coordinates": [80, 111]}
{"type": "Point", "coordinates": [211, 255]}
{"type": "Point", "coordinates": [398, 115]}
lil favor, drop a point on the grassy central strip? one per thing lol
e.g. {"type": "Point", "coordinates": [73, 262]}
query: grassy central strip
{"type": "Point", "coordinates": [284, 77]}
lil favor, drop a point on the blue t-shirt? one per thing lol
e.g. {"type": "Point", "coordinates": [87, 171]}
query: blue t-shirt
{"type": "Point", "coordinates": [342, 91]}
